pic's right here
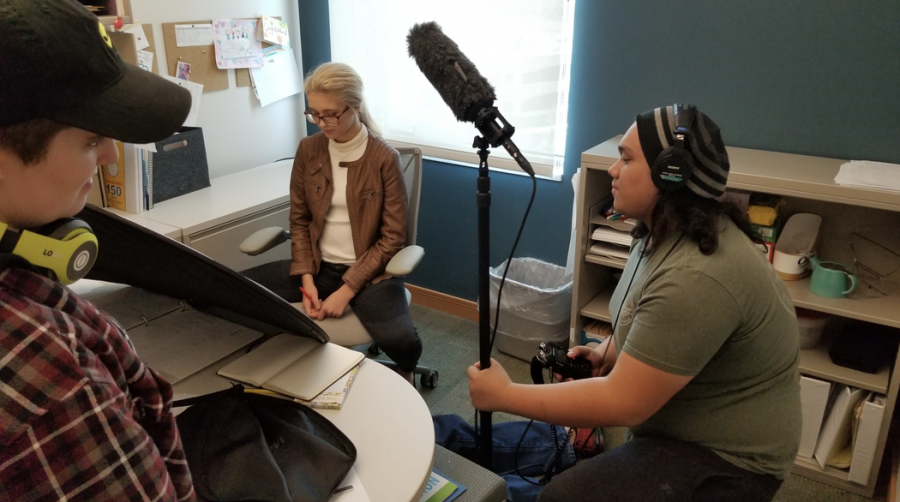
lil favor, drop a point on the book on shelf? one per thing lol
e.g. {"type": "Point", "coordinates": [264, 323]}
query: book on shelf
{"type": "Point", "coordinates": [609, 250]}
{"type": "Point", "coordinates": [134, 179]}
{"type": "Point", "coordinates": [293, 365]}
{"type": "Point", "coordinates": [96, 195]}
{"type": "Point", "coordinates": [611, 235]}
{"type": "Point", "coordinates": [441, 488]}
{"type": "Point", "coordinates": [123, 183]}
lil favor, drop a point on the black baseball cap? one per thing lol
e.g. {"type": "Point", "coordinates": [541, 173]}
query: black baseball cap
{"type": "Point", "coordinates": [57, 63]}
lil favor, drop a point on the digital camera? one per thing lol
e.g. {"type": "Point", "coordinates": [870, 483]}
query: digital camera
{"type": "Point", "coordinates": [554, 356]}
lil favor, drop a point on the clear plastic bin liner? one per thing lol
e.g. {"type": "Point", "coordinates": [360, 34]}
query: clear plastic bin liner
{"type": "Point", "coordinates": [537, 300]}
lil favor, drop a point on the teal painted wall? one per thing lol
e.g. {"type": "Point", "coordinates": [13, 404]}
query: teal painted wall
{"type": "Point", "coordinates": [817, 78]}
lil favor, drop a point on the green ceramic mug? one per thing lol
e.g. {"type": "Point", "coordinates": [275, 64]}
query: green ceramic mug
{"type": "Point", "coordinates": [831, 280]}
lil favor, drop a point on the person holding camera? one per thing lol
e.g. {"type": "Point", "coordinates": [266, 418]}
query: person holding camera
{"type": "Point", "coordinates": [702, 365]}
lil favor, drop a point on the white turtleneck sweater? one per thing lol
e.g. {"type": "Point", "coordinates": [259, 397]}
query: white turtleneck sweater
{"type": "Point", "coordinates": [336, 242]}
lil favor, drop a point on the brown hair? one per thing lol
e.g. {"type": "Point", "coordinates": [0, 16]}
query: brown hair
{"type": "Point", "coordinates": [30, 140]}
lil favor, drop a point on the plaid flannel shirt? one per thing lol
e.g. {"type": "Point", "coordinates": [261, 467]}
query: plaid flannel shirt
{"type": "Point", "coordinates": [81, 417]}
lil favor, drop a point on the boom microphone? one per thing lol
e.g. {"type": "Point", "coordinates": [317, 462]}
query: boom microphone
{"type": "Point", "coordinates": [456, 79]}
{"type": "Point", "coordinates": [468, 94]}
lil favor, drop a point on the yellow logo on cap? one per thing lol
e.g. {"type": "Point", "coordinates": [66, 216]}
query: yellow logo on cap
{"type": "Point", "coordinates": [104, 36]}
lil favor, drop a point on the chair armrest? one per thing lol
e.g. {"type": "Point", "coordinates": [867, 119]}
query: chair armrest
{"type": "Point", "coordinates": [264, 240]}
{"type": "Point", "coordinates": [405, 261]}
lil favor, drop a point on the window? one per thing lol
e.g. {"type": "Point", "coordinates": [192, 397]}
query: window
{"type": "Point", "coordinates": [522, 47]}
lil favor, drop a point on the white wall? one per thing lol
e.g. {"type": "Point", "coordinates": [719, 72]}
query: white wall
{"type": "Point", "coordinates": [238, 132]}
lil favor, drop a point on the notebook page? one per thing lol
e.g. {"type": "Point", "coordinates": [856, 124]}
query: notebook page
{"type": "Point", "coordinates": [265, 361]}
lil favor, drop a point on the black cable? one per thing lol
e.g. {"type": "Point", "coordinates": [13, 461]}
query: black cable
{"type": "Point", "coordinates": [286, 158]}
{"type": "Point", "coordinates": [551, 465]}
{"type": "Point", "coordinates": [509, 260]}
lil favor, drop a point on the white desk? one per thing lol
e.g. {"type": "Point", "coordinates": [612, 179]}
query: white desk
{"type": "Point", "coordinates": [216, 219]}
{"type": "Point", "coordinates": [383, 415]}
{"type": "Point", "coordinates": [160, 228]}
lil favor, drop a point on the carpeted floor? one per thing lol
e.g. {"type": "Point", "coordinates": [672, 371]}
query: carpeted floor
{"type": "Point", "coordinates": [451, 345]}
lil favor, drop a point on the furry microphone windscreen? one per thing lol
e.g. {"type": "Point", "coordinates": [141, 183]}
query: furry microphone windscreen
{"type": "Point", "coordinates": [451, 73]}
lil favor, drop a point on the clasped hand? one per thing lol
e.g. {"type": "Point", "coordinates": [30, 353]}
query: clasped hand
{"type": "Point", "coordinates": [333, 306]}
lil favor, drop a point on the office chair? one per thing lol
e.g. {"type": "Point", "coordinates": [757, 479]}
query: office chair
{"type": "Point", "coordinates": [347, 330]}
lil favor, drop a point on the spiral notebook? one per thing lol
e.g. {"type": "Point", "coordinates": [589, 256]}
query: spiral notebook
{"type": "Point", "coordinates": [296, 366]}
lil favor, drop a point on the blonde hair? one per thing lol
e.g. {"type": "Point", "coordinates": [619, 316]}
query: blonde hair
{"type": "Point", "coordinates": [342, 82]}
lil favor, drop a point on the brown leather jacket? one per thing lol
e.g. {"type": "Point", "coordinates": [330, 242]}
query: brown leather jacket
{"type": "Point", "coordinates": [376, 201]}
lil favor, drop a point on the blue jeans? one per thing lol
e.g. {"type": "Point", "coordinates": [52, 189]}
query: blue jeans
{"type": "Point", "coordinates": [534, 452]}
{"type": "Point", "coordinates": [647, 469]}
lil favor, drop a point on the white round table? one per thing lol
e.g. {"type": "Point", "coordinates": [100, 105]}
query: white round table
{"type": "Point", "coordinates": [383, 415]}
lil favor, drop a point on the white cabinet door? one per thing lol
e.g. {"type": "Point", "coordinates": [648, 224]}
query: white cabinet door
{"type": "Point", "coordinates": [221, 243]}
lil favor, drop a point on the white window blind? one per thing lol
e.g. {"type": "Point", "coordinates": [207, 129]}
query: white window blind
{"type": "Point", "coordinates": [522, 47]}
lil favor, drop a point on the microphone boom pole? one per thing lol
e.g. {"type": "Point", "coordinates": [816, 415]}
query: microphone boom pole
{"type": "Point", "coordinates": [483, 203]}
{"type": "Point", "coordinates": [471, 98]}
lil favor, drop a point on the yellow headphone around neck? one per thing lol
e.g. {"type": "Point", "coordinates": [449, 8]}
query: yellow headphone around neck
{"type": "Point", "coordinates": [66, 248]}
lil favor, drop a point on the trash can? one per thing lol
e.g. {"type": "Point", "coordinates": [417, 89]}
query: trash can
{"type": "Point", "coordinates": [535, 306]}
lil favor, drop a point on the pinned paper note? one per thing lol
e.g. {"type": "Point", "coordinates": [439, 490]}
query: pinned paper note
{"type": "Point", "coordinates": [145, 60]}
{"type": "Point", "coordinates": [278, 78]}
{"type": "Point", "coordinates": [196, 95]}
{"type": "Point", "coordinates": [140, 39]}
{"type": "Point", "coordinates": [237, 45]}
{"type": "Point", "coordinates": [274, 31]}
{"type": "Point", "coordinates": [183, 70]}
{"type": "Point", "coordinates": [193, 35]}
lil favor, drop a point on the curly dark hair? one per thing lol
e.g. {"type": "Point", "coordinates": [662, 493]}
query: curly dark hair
{"type": "Point", "coordinates": [698, 218]}
{"type": "Point", "coordinates": [30, 140]}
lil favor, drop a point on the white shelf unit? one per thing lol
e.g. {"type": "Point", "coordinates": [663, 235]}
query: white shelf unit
{"type": "Point", "coordinates": [808, 185]}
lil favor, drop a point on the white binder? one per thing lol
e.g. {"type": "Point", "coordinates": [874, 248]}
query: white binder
{"type": "Point", "coordinates": [865, 438]}
{"type": "Point", "coordinates": [813, 400]}
{"type": "Point", "coordinates": [835, 436]}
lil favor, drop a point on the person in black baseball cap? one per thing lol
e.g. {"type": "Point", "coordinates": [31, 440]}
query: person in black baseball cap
{"type": "Point", "coordinates": [57, 63]}
{"type": "Point", "coordinates": [81, 417]}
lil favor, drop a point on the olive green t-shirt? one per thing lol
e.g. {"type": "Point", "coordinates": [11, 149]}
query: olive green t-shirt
{"type": "Point", "coordinates": [727, 320]}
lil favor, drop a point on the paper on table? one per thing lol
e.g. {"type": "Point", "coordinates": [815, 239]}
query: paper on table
{"type": "Point", "coordinates": [868, 174]}
{"type": "Point", "coordinates": [278, 78]}
{"type": "Point", "coordinates": [191, 35]}
{"type": "Point", "coordinates": [196, 95]}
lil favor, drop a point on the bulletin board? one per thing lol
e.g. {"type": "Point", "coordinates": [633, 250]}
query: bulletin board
{"type": "Point", "coordinates": [125, 45]}
{"type": "Point", "coordinates": [239, 133]}
{"type": "Point", "coordinates": [202, 59]}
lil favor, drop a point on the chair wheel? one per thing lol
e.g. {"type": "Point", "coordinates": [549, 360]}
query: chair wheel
{"type": "Point", "coordinates": [429, 379]}
{"type": "Point", "coordinates": [374, 350]}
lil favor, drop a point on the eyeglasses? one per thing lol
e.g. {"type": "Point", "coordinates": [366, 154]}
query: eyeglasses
{"type": "Point", "coordinates": [330, 120]}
